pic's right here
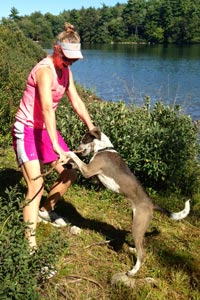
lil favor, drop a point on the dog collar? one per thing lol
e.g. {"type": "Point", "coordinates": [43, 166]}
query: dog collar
{"type": "Point", "coordinates": [105, 149]}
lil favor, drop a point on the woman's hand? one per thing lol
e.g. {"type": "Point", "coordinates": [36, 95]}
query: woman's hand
{"type": "Point", "coordinates": [61, 153]}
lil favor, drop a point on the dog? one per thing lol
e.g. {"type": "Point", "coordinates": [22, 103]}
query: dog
{"type": "Point", "coordinates": [107, 164]}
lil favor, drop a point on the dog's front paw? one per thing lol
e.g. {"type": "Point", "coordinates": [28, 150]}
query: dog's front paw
{"type": "Point", "coordinates": [69, 154]}
{"type": "Point", "coordinates": [70, 164]}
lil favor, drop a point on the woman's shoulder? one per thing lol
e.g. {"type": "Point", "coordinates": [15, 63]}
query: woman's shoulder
{"type": "Point", "coordinates": [44, 63]}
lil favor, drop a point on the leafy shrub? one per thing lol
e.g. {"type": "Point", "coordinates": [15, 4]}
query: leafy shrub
{"type": "Point", "coordinates": [20, 272]}
{"type": "Point", "coordinates": [160, 145]}
{"type": "Point", "coordinates": [17, 56]}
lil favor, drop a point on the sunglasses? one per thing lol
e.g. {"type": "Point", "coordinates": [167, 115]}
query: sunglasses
{"type": "Point", "coordinates": [68, 60]}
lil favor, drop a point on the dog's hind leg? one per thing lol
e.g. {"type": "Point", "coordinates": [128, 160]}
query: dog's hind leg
{"type": "Point", "coordinates": [141, 219]}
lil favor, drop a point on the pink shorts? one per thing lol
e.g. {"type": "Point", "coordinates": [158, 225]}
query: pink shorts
{"type": "Point", "coordinates": [31, 144]}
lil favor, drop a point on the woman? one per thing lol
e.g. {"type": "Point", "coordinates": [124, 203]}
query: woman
{"type": "Point", "coordinates": [36, 140]}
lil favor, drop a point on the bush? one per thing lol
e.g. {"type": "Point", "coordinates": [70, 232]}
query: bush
{"type": "Point", "coordinates": [20, 272]}
{"type": "Point", "coordinates": [160, 145]}
{"type": "Point", "coordinates": [17, 56]}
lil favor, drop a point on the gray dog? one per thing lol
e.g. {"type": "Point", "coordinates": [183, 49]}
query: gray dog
{"type": "Point", "coordinates": [114, 174]}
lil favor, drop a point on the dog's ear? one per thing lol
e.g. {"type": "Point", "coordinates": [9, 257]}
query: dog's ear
{"type": "Point", "coordinates": [96, 132]}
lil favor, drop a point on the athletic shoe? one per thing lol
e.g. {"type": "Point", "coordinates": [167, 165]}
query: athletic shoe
{"type": "Point", "coordinates": [48, 272]}
{"type": "Point", "coordinates": [52, 217]}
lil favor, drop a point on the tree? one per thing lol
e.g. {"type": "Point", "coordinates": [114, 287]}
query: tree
{"type": "Point", "coordinates": [166, 20]}
{"type": "Point", "coordinates": [89, 19]}
{"type": "Point", "coordinates": [193, 28]}
{"type": "Point", "coordinates": [74, 17]}
{"type": "Point", "coordinates": [14, 14]}
{"type": "Point", "coordinates": [154, 21]}
{"type": "Point", "coordinates": [153, 32]}
{"type": "Point", "coordinates": [133, 16]}
{"type": "Point", "coordinates": [186, 20]}
{"type": "Point", "coordinates": [56, 23]}
{"type": "Point", "coordinates": [105, 16]}
{"type": "Point", "coordinates": [117, 30]}
{"type": "Point", "coordinates": [41, 30]}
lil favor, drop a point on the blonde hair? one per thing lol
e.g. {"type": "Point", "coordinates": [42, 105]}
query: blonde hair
{"type": "Point", "coordinates": [69, 35]}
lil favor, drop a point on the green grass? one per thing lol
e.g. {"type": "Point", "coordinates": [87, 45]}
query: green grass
{"type": "Point", "coordinates": [88, 263]}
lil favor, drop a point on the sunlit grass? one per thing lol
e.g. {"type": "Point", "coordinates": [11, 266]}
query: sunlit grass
{"type": "Point", "coordinates": [90, 259]}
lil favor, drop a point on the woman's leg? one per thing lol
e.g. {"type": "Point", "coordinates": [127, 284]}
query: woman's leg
{"type": "Point", "coordinates": [67, 177]}
{"type": "Point", "coordinates": [32, 169]}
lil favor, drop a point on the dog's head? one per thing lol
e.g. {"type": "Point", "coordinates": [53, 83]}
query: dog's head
{"type": "Point", "coordinates": [93, 141]}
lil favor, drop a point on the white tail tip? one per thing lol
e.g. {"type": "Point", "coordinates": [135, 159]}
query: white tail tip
{"type": "Point", "coordinates": [183, 213]}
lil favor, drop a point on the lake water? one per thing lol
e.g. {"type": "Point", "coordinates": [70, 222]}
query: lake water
{"type": "Point", "coordinates": [130, 72]}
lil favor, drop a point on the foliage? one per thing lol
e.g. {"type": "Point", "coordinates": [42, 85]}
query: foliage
{"type": "Point", "coordinates": [17, 56]}
{"type": "Point", "coordinates": [153, 21]}
{"type": "Point", "coordinates": [133, 16]}
{"type": "Point", "coordinates": [160, 144]}
{"type": "Point", "coordinates": [21, 273]}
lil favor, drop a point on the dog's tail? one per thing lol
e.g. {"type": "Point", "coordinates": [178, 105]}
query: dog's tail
{"type": "Point", "coordinates": [175, 216]}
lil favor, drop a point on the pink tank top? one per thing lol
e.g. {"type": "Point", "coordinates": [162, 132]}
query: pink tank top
{"type": "Point", "coordinates": [30, 109]}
